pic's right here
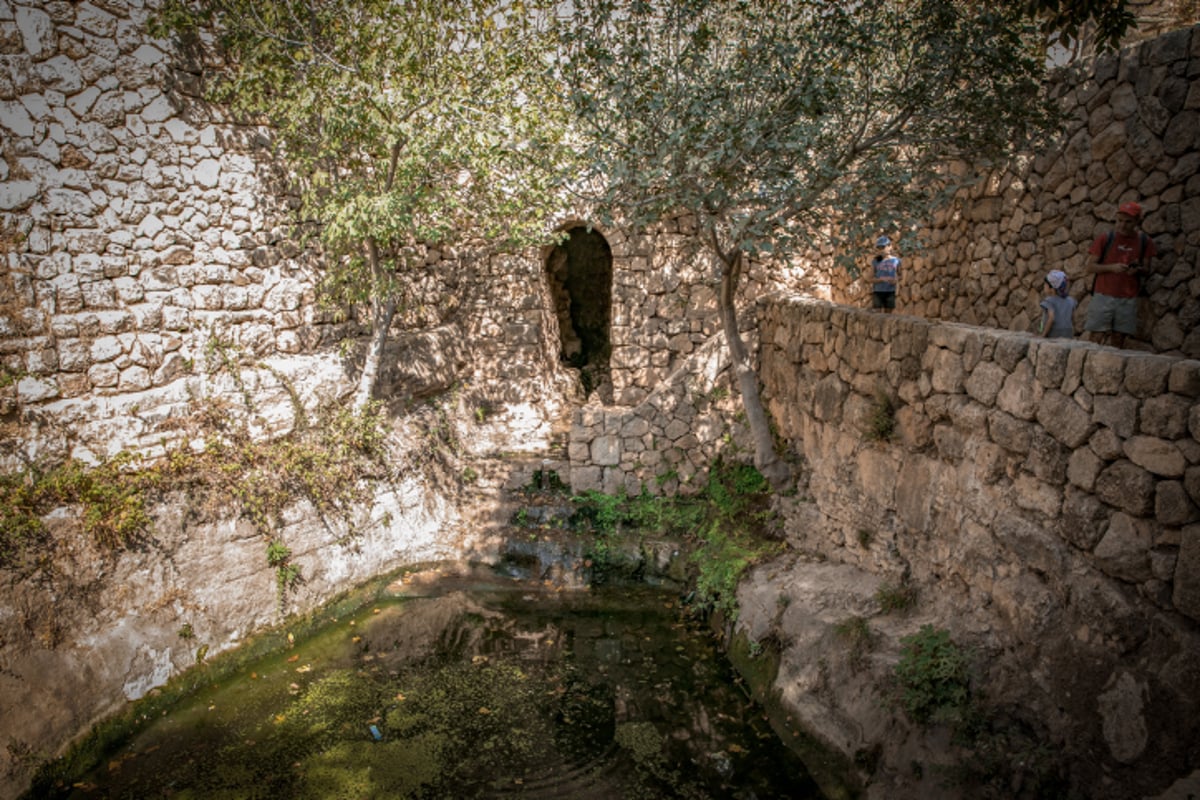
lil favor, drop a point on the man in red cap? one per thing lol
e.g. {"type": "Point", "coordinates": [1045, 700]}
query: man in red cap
{"type": "Point", "coordinates": [1119, 262]}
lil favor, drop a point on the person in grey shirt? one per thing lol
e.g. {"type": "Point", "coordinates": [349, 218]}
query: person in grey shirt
{"type": "Point", "coordinates": [1058, 307]}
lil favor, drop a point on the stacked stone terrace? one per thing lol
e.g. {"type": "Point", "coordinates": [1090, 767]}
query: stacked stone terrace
{"type": "Point", "coordinates": [144, 243]}
{"type": "Point", "coordinates": [1067, 452]}
{"type": "Point", "coordinates": [1132, 132]}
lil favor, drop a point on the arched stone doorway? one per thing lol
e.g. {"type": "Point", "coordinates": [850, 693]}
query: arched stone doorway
{"type": "Point", "coordinates": [579, 273]}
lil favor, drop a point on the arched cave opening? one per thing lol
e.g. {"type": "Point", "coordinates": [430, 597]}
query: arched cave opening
{"type": "Point", "coordinates": [579, 272]}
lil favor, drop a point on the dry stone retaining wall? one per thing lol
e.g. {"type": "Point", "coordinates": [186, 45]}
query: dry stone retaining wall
{"type": "Point", "coordinates": [674, 408]}
{"type": "Point", "coordinates": [1072, 446]}
{"type": "Point", "coordinates": [1040, 495]}
{"type": "Point", "coordinates": [144, 247]}
{"type": "Point", "coordinates": [1132, 132]}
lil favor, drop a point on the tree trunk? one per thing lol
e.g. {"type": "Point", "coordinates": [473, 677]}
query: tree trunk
{"type": "Point", "coordinates": [381, 322]}
{"type": "Point", "coordinates": [383, 311]}
{"type": "Point", "coordinates": [766, 460]}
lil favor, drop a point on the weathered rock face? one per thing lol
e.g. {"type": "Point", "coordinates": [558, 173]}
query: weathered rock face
{"type": "Point", "coordinates": [93, 629]}
{"type": "Point", "coordinates": [1130, 133]}
{"type": "Point", "coordinates": [1036, 493]}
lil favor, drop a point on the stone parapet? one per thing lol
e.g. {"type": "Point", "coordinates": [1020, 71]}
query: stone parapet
{"type": "Point", "coordinates": [1058, 449]}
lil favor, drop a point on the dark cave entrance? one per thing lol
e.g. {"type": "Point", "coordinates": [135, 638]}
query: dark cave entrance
{"type": "Point", "coordinates": [579, 272]}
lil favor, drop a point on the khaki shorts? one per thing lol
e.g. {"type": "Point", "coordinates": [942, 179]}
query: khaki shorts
{"type": "Point", "coordinates": [1112, 314]}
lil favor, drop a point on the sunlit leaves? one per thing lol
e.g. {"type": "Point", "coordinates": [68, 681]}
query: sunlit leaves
{"type": "Point", "coordinates": [778, 122]}
{"type": "Point", "coordinates": [408, 123]}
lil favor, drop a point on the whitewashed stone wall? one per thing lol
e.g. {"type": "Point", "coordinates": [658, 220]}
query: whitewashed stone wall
{"type": "Point", "coordinates": [1132, 132]}
{"type": "Point", "coordinates": [144, 244]}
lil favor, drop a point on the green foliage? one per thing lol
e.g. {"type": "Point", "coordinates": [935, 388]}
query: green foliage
{"type": "Point", "coordinates": [407, 125]}
{"type": "Point", "coordinates": [896, 597]}
{"type": "Point", "coordinates": [881, 423]}
{"type": "Point", "coordinates": [287, 574]}
{"type": "Point", "coordinates": [110, 497]}
{"type": "Point", "coordinates": [933, 677]}
{"type": "Point", "coordinates": [727, 520]}
{"type": "Point", "coordinates": [776, 124]}
{"type": "Point", "coordinates": [324, 464]}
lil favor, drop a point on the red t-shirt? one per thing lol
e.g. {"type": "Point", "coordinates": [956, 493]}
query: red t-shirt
{"type": "Point", "coordinates": [1123, 250]}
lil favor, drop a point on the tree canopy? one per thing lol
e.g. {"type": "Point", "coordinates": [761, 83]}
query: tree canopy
{"type": "Point", "coordinates": [786, 125]}
{"type": "Point", "coordinates": [407, 124]}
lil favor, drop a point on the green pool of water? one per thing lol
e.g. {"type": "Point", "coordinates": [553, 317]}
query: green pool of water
{"type": "Point", "coordinates": [471, 689]}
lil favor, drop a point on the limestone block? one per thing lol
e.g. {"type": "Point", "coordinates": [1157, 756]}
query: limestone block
{"type": "Point", "coordinates": [1083, 467]}
{"type": "Point", "coordinates": [985, 382]}
{"type": "Point", "coordinates": [1020, 394]}
{"type": "Point", "coordinates": [1116, 412]}
{"type": "Point", "coordinates": [1122, 707]}
{"type": "Point", "coordinates": [1124, 551]}
{"type": "Point", "coordinates": [1063, 419]}
{"type": "Point", "coordinates": [915, 480]}
{"type": "Point", "coordinates": [1186, 595]}
{"type": "Point", "coordinates": [1191, 482]}
{"type": "Point", "coordinates": [106, 348]}
{"type": "Point", "coordinates": [37, 32]}
{"type": "Point", "coordinates": [1073, 378]}
{"type": "Point", "coordinates": [1047, 458]}
{"type": "Point", "coordinates": [1084, 518]}
{"type": "Point", "coordinates": [1009, 432]}
{"type": "Point", "coordinates": [946, 372]}
{"type": "Point", "coordinates": [914, 427]}
{"type": "Point", "coordinates": [1034, 494]}
{"type": "Point", "coordinates": [103, 376]}
{"type": "Point", "coordinates": [1050, 359]}
{"type": "Point", "coordinates": [1147, 375]}
{"type": "Point", "coordinates": [1103, 371]}
{"type": "Point", "coordinates": [1127, 486]}
{"type": "Point", "coordinates": [606, 450]}
{"type": "Point", "coordinates": [1165, 416]}
{"type": "Point", "coordinates": [1155, 455]}
{"type": "Point", "coordinates": [134, 379]}
{"type": "Point", "coordinates": [1172, 506]}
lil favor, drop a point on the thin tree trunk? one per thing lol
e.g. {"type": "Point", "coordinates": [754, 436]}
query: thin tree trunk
{"type": "Point", "coordinates": [383, 311]}
{"type": "Point", "coordinates": [381, 322]}
{"type": "Point", "coordinates": [766, 460]}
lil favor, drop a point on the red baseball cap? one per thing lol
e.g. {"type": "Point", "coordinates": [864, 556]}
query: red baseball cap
{"type": "Point", "coordinates": [1131, 210]}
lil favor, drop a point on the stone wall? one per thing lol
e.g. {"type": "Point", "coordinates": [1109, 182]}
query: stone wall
{"type": "Point", "coordinates": [144, 245]}
{"type": "Point", "coordinates": [1132, 132]}
{"type": "Point", "coordinates": [674, 406]}
{"type": "Point", "coordinates": [1044, 492]}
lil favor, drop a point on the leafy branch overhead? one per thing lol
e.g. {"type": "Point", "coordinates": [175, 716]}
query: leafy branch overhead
{"type": "Point", "coordinates": [773, 121]}
{"type": "Point", "coordinates": [789, 128]}
{"type": "Point", "coordinates": [408, 124]}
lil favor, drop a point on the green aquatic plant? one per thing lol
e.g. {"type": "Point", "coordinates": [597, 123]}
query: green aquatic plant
{"type": "Point", "coordinates": [933, 677]}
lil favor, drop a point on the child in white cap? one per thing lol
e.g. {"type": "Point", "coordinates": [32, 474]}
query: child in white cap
{"type": "Point", "coordinates": [884, 275]}
{"type": "Point", "coordinates": [1058, 307]}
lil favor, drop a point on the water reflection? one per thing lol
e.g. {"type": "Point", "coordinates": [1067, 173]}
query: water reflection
{"type": "Point", "coordinates": [473, 690]}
